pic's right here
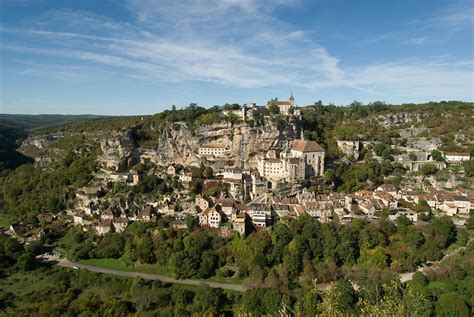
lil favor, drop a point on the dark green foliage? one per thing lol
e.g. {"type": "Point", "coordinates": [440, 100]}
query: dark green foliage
{"type": "Point", "coordinates": [443, 231]}
{"type": "Point", "coordinates": [27, 262]}
{"type": "Point", "coordinates": [111, 246]}
{"type": "Point", "coordinates": [468, 167]}
{"type": "Point", "coordinates": [55, 292]}
{"type": "Point", "coordinates": [451, 305]}
{"type": "Point", "coordinates": [28, 191]}
{"type": "Point", "coordinates": [437, 155]}
{"type": "Point", "coordinates": [261, 301]}
{"type": "Point", "coordinates": [429, 169]}
{"type": "Point", "coordinates": [368, 175]}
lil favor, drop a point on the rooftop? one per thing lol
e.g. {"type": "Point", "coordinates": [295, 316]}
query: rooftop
{"type": "Point", "coordinates": [306, 146]}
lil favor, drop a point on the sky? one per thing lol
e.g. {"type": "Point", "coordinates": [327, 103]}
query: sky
{"type": "Point", "coordinates": [142, 56]}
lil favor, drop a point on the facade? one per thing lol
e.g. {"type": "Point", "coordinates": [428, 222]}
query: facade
{"type": "Point", "coordinates": [239, 223]}
{"type": "Point", "coordinates": [211, 217]}
{"type": "Point", "coordinates": [312, 154]}
{"type": "Point", "coordinates": [457, 157]}
{"type": "Point", "coordinates": [213, 150]}
{"type": "Point", "coordinates": [304, 160]}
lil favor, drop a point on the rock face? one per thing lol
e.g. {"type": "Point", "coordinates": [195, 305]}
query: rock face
{"type": "Point", "coordinates": [42, 142]}
{"type": "Point", "coordinates": [424, 144]}
{"type": "Point", "coordinates": [118, 151]}
{"type": "Point", "coordinates": [177, 145]}
{"type": "Point", "coordinates": [350, 148]}
{"type": "Point", "coordinates": [390, 120]}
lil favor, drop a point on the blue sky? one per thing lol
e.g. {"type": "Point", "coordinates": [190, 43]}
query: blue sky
{"type": "Point", "coordinates": [142, 56]}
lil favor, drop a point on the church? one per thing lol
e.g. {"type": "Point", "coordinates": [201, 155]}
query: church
{"type": "Point", "coordinates": [305, 159]}
{"type": "Point", "coordinates": [284, 106]}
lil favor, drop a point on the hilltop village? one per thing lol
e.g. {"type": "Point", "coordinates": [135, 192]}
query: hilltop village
{"type": "Point", "coordinates": [251, 178]}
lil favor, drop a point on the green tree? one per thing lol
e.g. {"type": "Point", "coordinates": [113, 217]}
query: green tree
{"type": "Point", "coordinates": [206, 301]}
{"type": "Point", "coordinates": [145, 252]}
{"type": "Point", "coordinates": [274, 109]}
{"type": "Point", "coordinates": [443, 231]}
{"type": "Point", "coordinates": [468, 167]}
{"type": "Point", "coordinates": [27, 262]}
{"type": "Point", "coordinates": [451, 305]}
{"type": "Point", "coordinates": [209, 262]}
{"type": "Point", "coordinates": [429, 169]}
{"type": "Point", "coordinates": [437, 155]}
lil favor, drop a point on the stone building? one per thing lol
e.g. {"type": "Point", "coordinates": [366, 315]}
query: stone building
{"type": "Point", "coordinates": [284, 106]}
{"type": "Point", "coordinates": [304, 160]}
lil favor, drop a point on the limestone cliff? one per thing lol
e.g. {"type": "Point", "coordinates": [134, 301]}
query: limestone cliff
{"type": "Point", "coordinates": [118, 151]}
{"type": "Point", "coordinates": [177, 143]}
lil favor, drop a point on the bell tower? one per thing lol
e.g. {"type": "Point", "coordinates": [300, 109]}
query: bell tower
{"type": "Point", "coordinates": [292, 100]}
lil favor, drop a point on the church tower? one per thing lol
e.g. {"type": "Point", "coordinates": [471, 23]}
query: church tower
{"type": "Point", "coordinates": [292, 100]}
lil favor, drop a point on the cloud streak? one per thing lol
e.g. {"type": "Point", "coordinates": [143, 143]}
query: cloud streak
{"type": "Point", "coordinates": [233, 43]}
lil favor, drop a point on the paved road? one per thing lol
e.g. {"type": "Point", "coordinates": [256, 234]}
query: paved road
{"type": "Point", "coordinates": [163, 278]}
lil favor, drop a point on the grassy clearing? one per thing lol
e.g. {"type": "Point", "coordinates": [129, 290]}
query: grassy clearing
{"type": "Point", "coordinates": [115, 264]}
{"type": "Point", "coordinates": [4, 223]}
{"type": "Point", "coordinates": [152, 269]}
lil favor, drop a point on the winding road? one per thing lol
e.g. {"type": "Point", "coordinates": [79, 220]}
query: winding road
{"type": "Point", "coordinates": [167, 279]}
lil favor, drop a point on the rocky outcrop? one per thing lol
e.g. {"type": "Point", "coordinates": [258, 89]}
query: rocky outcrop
{"type": "Point", "coordinates": [394, 119]}
{"type": "Point", "coordinates": [118, 151]}
{"type": "Point", "coordinates": [41, 142]}
{"type": "Point", "coordinates": [177, 145]}
{"type": "Point", "coordinates": [424, 144]}
{"type": "Point", "coordinates": [350, 148]}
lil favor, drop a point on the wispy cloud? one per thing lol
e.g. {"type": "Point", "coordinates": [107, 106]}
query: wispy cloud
{"type": "Point", "coordinates": [234, 43]}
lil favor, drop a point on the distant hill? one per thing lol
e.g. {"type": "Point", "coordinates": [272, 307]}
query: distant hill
{"type": "Point", "coordinates": [28, 122]}
{"type": "Point", "coordinates": [14, 129]}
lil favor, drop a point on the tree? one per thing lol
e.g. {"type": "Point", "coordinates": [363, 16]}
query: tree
{"type": "Point", "coordinates": [27, 262]}
{"type": "Point", "coordinates": [209, 262]}
{"type": "Point", "coordinates": [443, 231]}
{"type": "Point", "coordinates": [329, 175]}
{"type": "Point", "coordinates": [111, 246]}
{"type": "Point", "coordinates": [274, 109]}
{"type": "Point", "coordinates": [437, 155]}
{"type": "Point", "coordinates": [468, 167]}
{"type": "Point", "coordinates": [451, 305]}
{"type": "Point", "coordinates": [206, 301]}
{"type": "Point", "coordinates": [429, 169]}
{"type": "Point", "coordinates": [412, 157]}
{"type": "Point", "coordinates": [346, 295]}
{"type": "Point", "coordinates": [261, 302]}
{"type": "Point", "coordinates": [145, 252]}
{"type": "Point", "coordinates": [208, 172]}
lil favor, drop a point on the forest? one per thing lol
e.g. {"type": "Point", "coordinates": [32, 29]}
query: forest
{"type": "Point", "coordinates": [270, 263]}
